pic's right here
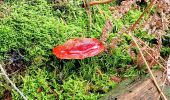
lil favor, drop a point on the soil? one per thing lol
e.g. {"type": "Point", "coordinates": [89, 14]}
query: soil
{"type": "Point", "coordinates": [15, 61]}
{"type": "Point", "coordinates": [7, 95]}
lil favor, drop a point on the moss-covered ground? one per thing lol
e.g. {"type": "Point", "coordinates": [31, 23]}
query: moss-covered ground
{"type": "Point", "coordinates": [29, 29]}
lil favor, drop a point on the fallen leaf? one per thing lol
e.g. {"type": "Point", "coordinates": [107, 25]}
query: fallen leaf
{"type": "Point", "coordinates": [115, 79]}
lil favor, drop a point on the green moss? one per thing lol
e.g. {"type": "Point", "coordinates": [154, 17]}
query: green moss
{"type": "Point", "coordinates": [37, 26]}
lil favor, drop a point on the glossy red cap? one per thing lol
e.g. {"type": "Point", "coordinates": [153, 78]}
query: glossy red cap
{"type": "Point", "coordinates": [78, 48]}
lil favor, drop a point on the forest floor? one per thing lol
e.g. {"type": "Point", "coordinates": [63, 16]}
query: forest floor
{"type": "Point", "coordinates": [30, 29]}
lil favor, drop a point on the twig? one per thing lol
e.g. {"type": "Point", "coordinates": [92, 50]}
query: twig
{"type": "Point", "coordinates": [155, 60]}
{"type": "Point", "coordinates": [106, 29]}
{"type": "Point", "coordinates": [101, 12]}
{"type": "Point", "coordinates": [140, 51]}
{"type": "Point", "coordinates": [92, 3]}
{"type": "Point", "coordinates": [165, 78]}
{"type": "Point", "coordinates": [13, 85]}
{"type": "Point", "coordinates": [168, 69]}
{"type": "Point", "coordinates": [88, 11]}
{"type": "Point", "coordinates": [163, 84]}
{"type": "Point", "coordinates": [146, 10]}
{"type": "Point", "coordinates": [149, 48]}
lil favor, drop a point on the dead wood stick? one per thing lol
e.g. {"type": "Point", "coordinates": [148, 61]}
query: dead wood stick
{"type": "Point", "coordinates": [92, 3]}
{"type": "Point", "coordinates": [150, 48]}
{"type": "Point", "coordinates": [155, 60]}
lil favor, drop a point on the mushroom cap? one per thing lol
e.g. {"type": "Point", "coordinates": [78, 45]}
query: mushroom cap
{"type": "Point", "coordinates": [78, 48]}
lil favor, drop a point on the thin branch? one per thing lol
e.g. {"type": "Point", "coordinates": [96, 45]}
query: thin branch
{"type": "Point", "coordinates": [163, 84]}
{"type": "Point", "coordinates": [92, 3]}
{"type": "Point", "coordinates": [146, 10]}
{"type": "Point", "coordinates": [150, 48]}
{"type": "Point", "coordinates": [13, 85]}
{"type": "Point", "coordinates": [88, 11]}
{"type": "Point", "coordinates": [155, 60]}
{"type": "Point", "coordinates": [165, 78]}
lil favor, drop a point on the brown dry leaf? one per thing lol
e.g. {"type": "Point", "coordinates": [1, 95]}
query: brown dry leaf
{"type": "Point", "coordinates": [114, 42]}
{"type": "Point", "coordinates": [155, 54]}
{"type": "Point", "coordinates": [139, 60]}
{"type": "Point", "coordinates": [107, 29]}
{"type": "Point", "coordinates": [155, 23]}
{"type": "Point", "coordinates": [7, 95]}
{"type": "Point", "coordinates": [159, 22]}
{"type": "Point", "coordinates": [132, 54]}
{"type": "Point", "coordinates": [150, 55]}
{"type": "Point", "coordinates": [40, 89]}
{"type": "Point", "coordinates": [1, 1]}
{"type": "Point", "coordinates": [116, 79]}
{"type": "Point", "coordinates": [119, 11]}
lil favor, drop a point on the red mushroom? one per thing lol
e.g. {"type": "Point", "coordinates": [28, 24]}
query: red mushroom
{"type": "Point", "coordinates": [78, 48]}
